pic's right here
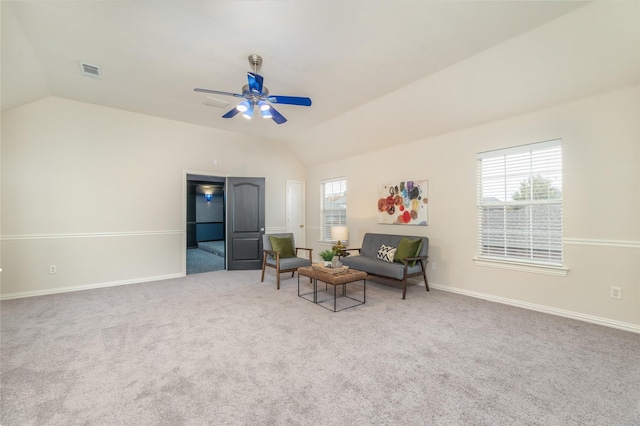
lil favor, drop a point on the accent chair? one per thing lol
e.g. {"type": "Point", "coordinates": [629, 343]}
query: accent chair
{"type": "Point", "coordinates": [280, 252]}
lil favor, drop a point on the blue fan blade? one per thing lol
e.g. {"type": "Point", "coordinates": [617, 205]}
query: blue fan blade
{"type": "Point", "coordinates": [231, 113]}
{"type": "Point", "coordinates": [255, 82]}
{"type": "Point", "coordinates": [290, 100]}
{"type": "Point", "coordinates": [217, 92]}
{"type": "Point", "coordinates": [276, 116]}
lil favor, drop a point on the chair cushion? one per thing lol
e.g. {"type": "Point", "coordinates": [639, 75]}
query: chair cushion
{"type": "Point", "coordinates": [386, 253]}
{"type": "Point", "coordinates": [284, 245]}
{"type": "Point", "coordinates": [408, 248]}
{"type": "Point", "coordinates": [290, 263]}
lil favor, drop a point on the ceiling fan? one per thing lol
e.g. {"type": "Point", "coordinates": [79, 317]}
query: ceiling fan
{"type": "Point", "coordinates": [256, 96]}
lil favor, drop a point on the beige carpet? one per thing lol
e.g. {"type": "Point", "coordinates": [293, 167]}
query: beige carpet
{"type": "Point", "coordinates": [222, 348]}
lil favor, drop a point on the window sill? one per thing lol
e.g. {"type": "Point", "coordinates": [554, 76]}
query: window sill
{"type": "Point", "coordinates": [557, 271]}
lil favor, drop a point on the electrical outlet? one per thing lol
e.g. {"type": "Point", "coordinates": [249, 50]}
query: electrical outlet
{"type": "Point", "coordinates": [615, 293]}
{"type": "Point", "coordinates": [53, 269]}
{"type": "Point", "coordinates": [434, 265]}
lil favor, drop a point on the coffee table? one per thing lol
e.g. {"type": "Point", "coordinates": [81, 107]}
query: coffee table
{"type": "Point", "coordinates": [335, 280]}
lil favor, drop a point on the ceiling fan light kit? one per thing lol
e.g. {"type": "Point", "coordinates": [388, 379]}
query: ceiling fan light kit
{"type": "Point", "coordinates": [255, 94]}
{"type": "Point", "coordinates": [243, 106]}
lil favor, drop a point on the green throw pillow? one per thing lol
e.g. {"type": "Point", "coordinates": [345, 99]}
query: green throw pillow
{"type": "Point", "coordinates": [408, 248]}
{"type": "Point", "coordinates": [284, 245]}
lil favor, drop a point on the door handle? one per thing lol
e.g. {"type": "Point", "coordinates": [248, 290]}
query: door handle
{"type": "Point", "coordinates": [261, 229]}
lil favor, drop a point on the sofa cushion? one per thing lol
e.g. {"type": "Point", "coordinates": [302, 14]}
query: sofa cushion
{"type": "Point", "coordinates": [284, 245]}
{"type": "Point", "coordinates": [386, 253]}
{"type": "Point", "coordinates": [408, 248]}
{"type": "Point", "coordinates": [378, 267]}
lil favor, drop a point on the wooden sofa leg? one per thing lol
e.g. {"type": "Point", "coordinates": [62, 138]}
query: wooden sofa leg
{"type": "Point", "coordinates": [424, 274]}
{"type": "Point", "coordinates": [264, 262]}
{"type": "Point", "coordinates": [426, 283]}
{"type": "Point", "coordinates": [404, 289]}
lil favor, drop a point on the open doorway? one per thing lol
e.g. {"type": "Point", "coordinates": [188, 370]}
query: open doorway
{"type": "Point", "coordinates": [205, 224]}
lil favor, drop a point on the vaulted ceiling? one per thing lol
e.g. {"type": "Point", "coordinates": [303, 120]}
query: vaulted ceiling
{"type": "Point", "coordinates": [342, 54]}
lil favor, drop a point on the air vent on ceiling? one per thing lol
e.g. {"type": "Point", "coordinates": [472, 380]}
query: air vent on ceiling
{"type": "Point", "coordinates": [215, 102]}
{"type": "Point", "coordinates": [90, 70]}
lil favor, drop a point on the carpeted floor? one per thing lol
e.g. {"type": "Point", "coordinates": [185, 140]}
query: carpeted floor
{"type": "Point", "coordinates": [199, 261]}
{"type": "Point", "coordinates": [208, 257]}
{"type": "Point", "coordinates": [215, 247]}
{"type": "Point", "coordinates": [222, 348]}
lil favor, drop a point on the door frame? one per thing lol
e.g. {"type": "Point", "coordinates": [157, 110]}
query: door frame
{"type": "Point", "coordinates": [183, 244]}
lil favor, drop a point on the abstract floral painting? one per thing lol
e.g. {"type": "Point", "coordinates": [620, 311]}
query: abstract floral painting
{"type": "Point", "coordinates": [403, 203]}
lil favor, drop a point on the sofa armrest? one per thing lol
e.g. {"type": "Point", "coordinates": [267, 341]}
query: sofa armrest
{"type": "Point", "coordinates": [422, 259]}
{"type": "Point", "coordinates": [409, 259]}
{"type": "Point", "coordinates": [310, 250]}
{"type": "Point", "coordinates": [349, 249]}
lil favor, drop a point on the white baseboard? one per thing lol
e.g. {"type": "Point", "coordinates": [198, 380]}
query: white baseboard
{"type": "Point", "coordinates": [634, 328]}
{"type": "Point", "coordinates": [56, 290]}
{"type": "Point", "coordinates": [506, 301]}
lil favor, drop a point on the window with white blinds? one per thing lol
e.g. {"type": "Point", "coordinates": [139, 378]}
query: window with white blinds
{"type": "Point", "coordinates": [520, 203]}
{"type": "Point", "coordinates": [334, 206]}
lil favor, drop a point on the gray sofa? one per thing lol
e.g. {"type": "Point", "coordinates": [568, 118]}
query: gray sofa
{"type": "Point", "coordinates": [398, 272]}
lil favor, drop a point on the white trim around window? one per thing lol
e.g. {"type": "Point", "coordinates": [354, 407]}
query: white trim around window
{"type": "Point", "coordinates": [520, 206]}
{"type": "Point", "coordinates": [333, 206]}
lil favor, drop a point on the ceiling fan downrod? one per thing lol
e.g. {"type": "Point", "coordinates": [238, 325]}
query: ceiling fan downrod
{"type": "Point", "coordinates": [255, 60]}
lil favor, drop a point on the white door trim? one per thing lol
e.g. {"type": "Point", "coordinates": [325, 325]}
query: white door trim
{"type": "Point", "coordinates": [185, 174]}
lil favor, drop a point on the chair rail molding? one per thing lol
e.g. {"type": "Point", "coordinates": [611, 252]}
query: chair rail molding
{"type": "Point", "coordinates": [89, 235]}
{"type": "Point", "coordinates": [275, 229]}
{"type": "Point", "coordinates": [602, 242]}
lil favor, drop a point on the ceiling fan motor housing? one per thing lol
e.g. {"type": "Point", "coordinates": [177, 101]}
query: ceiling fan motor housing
{"type": "Point", "coordinates": [247, 92]}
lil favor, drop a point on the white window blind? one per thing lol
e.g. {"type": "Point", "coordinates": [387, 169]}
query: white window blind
{"type": "Point", "coordinates": [334, 206]}
{"type": "Point", "coordinates": [520, 203]}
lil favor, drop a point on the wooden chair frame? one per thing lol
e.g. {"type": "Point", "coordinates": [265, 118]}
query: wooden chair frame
{"type": "Point", "coordinates": [279, 270]}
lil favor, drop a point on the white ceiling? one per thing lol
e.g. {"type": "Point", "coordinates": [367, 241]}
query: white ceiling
{"type": "Point", "coordinates": [341, 54]}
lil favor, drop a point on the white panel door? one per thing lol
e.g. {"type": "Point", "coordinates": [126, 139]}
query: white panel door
{"type": "Point", "coordinates": [295, 213]}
